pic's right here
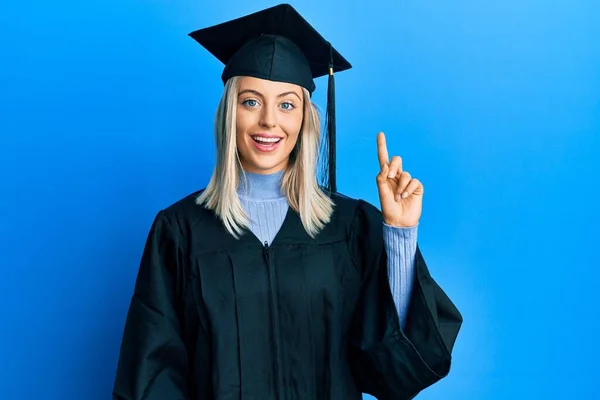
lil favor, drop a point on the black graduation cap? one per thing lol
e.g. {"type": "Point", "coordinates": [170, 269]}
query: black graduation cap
{"type": "Point", "coordinates": [278, 44]}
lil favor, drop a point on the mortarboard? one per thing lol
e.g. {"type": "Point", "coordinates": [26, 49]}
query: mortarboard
{"type": "Point", "coordinates": [278, 44]}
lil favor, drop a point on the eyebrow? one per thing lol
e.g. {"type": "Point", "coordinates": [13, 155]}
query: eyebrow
{"type": "Point", "coordinates": [257, 93]}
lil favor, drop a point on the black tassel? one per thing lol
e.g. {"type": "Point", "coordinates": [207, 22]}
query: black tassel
{"type": "Point", "coordinates": [331, 129]}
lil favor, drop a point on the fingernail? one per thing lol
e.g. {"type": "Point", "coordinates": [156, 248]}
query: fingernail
{"type": "Point", "coordinates": [404, 195]}
{"type": "Point", "coordinates": [397, 197]}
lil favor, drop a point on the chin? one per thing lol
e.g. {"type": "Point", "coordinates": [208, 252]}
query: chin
{"type": "Point", "coordinates": [262, 164]}
{"type": "Point", "coordinates": [265, 168]}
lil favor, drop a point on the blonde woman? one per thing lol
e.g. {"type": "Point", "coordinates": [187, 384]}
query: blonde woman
{"type": "Point", "coordinates": [267, 284]}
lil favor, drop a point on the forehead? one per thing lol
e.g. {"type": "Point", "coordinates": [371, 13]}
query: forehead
{"type": "Point", "coordinates": [266, 86]}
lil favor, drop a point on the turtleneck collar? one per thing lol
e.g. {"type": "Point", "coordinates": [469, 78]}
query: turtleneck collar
{"type": "Point", "coordinates": [261, 186]}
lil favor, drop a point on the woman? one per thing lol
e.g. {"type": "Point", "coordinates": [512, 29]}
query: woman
{"type": "Point", "coordinates": [266, 285]}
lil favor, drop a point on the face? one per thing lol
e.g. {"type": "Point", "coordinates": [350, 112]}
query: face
{"type": "Point", "coordinates": [269, 118]}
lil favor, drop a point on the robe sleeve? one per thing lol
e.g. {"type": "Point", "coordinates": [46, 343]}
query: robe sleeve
{"type": "Point", "coordinates": [386, 361]}
{"type": "Point", "coordinates": [153, 361]}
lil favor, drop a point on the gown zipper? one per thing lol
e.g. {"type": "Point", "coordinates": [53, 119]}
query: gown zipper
{"type": "Point", "coordinates": [274, 319]}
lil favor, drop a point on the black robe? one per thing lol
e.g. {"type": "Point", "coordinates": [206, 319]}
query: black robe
{"type": "Point", "coordinates": [214, 317]}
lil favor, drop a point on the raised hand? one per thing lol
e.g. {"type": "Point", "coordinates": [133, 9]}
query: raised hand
{"type": "Point", "coordinates": [401, 196]}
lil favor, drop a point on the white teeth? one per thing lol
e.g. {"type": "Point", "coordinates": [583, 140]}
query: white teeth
{"type": "Point", "coordinates": [266, 140]}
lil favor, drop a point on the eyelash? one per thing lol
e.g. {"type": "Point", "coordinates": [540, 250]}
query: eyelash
{"type": "Point", "coordinates": [292, 105]}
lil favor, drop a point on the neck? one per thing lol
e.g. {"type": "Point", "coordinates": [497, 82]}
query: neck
{"type": "Point", "coordinates": [261, 186]}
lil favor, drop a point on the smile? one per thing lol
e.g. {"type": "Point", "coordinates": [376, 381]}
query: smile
{"type": "Point", "coordinates": [266, 144]}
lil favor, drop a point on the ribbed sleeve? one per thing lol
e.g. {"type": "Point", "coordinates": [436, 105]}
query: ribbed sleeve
{"type": "Point", "coordinates": [400, 247]}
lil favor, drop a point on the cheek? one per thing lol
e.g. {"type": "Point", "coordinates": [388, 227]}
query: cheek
{"type": "Point", "coordinates": [241, 121]}
{"type": "Point", "coordinates": [244, 122]}
{"type": "Point", "coordinates": [292, 127]}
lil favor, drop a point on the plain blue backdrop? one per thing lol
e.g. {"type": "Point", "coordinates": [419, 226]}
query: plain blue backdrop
{"type": "Point", "coordinates": [106, 111]}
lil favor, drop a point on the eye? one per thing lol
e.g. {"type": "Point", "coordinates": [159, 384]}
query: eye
{"type": "Point", "coordinates": [250, 103]}
{"type": "Point", "coordinates": [287, 106]}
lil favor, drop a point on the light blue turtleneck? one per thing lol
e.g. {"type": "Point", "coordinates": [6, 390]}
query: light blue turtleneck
{"type": "Point", "coordinates": [267, 206]}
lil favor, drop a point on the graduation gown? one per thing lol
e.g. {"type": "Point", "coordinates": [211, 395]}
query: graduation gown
{"type": "Point", "coordinates": [218, 318]}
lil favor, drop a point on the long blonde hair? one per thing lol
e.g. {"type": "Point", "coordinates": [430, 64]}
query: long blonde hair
{"type": "Point", "coordinates": [299, 183]}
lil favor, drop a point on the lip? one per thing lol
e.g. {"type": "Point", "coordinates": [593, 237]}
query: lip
{"type": "Point", "coordinates": [266, 148]}
{"type": "Point", "coordinates": [265, 135]}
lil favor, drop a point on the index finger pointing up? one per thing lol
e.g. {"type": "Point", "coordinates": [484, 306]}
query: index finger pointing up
{"type": "Point", "coordinates": [382, 152]}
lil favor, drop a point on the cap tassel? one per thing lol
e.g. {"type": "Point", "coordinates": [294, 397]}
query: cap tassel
{"type": "Point", "coordinates": [331, 128]}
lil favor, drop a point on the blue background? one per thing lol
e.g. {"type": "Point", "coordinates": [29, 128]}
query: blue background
{"type": "Point", "coordinates": [106, 112]}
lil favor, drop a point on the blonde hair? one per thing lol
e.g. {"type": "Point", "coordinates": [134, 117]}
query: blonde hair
{"type": "Point", "coordinates": [299, 183]}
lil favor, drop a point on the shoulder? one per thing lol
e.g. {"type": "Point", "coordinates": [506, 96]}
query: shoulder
{"type": "Point", "coordinates": [356, 213]}
{"type": "Point", "coordinates": [352, 208]}
{"type": "Point", "coordinates": [364, 230]}
{"type": "Point", "coordinates": [185, 214]}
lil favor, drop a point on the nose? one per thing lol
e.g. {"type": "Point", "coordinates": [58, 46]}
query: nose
{"type": "Point", "coordinates": [268, 117]}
